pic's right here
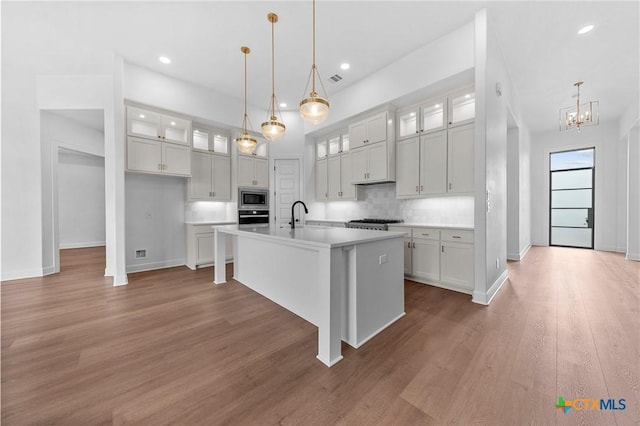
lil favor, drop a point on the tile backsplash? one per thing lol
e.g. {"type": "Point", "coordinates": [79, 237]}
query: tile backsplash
{"type": "Point", "coordinates": [206, 211]}
{"type": "Point", "coordinates": [380, 202]}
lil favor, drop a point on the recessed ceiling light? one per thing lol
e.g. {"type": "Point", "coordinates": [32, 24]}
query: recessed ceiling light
{"type": "Point", "coordinates": [585, 30]}
{"type": "Point", "coordinates": [141, 115]}
{"type": "Point", "coordinates": [283, 104]}
{"type": "Point", "coordinates": [413, 114]}
{"type": "Point", "coordinates": [467, 96]}
{"type": "Point", "coordinates": [173, 123]}
{"type": "Point", "coordinates": [436, 106]}
{"type": "Point", "coordinates": [345, 66]}
{"type": "Point", "coordinates": [164, 60]}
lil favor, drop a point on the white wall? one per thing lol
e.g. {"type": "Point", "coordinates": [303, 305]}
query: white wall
{"type": "Point", "coordinates": [605, 140]}
{"type": "Point", "coordinates": [154, 214]}
{"type": "Point", "coordinates": [633, 200]}
{"type": "Point", "coordinates": [81, 199]}
{"type": "Point", "coordinates": [513, 194]}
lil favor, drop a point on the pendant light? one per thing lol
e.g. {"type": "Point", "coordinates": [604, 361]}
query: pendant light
{"type": "Point", "coordinates": [314, 109]}
{"type": "Point", "coordinates": [246, 144]}
{"type": "Point", "coordinates": [580, 114]}
{"type": "Point", "coordinates": [272, 129]}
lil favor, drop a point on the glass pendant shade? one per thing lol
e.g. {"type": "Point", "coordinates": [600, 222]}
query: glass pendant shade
{"type": "Point", "coordinates": [246, 144]}
{"type": "Point", "coordinates": [314, 109]}
{"type": "Point", "coordinates": [273, 130]}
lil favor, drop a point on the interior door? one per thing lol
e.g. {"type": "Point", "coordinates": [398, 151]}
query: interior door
{"type": "Point", "coordinates": [571, 198]}
{"type": "Point", "coordinates": [287, 191]}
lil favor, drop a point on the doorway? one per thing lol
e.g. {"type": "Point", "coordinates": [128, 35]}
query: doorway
{"type": "Point", "coordinates": [287, 190]}
{"type": "Point", "coordinates": [571, 192]}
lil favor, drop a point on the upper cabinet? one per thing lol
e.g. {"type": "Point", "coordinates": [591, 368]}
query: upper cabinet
{"type": "Point", "coordinates": [146, 123]}
{"type": "Point", "coordinates": [208, 139]}
{"type": "Point", "coordinates": [332, 145]}
{"type": "Point", "coordinates": [333, 169]}
{"type": "Point", "coordinates": [435, 114]}
{"type": "Point", "coordinates": [253, 169]}
{"type": "Point", "coordinates": [369, 130]}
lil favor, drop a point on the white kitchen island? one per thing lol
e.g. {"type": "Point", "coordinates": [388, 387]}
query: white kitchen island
{"type": "Point", "coordinates": [347, 282]}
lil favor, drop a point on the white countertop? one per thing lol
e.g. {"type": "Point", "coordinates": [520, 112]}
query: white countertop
{"type": "Point", "coordinates": [317, 236]}
{"type": "Point", "coordinates": [426, 225]}
{"type": "Point", "coordinates": [212, 223]}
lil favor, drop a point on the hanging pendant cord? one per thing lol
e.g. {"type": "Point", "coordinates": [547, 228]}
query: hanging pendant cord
{"type": "Point", "coordinates": [313, 66]}
{"type": "Point", "coordinates": [273, 73]}
{"type": "Point", "coordinates": [244, 118]}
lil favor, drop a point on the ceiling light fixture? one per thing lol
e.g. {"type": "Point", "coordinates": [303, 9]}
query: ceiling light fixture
{"type": "Point", "coordinates": [314, 109]}
{"type": "Point", "coordinates": [245, 143]}
{"type": "Point", "coordinates": [164, 60]}
{"type": "Point", "coordinates": [283, 104]}
{"type": "Point", "coordinates": [585, 30]}
{"type": "Point", "coordinates": [273, 129]}
{"type": "Point", "coordinates": [579, 115]}
{"type": "Point", "coordinates": [345, 66]}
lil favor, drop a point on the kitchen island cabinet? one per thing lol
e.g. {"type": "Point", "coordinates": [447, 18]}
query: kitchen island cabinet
{"type": "Point", "coordinates": [347, 282]}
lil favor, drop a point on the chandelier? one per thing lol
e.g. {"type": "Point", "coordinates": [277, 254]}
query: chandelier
{"type": "Point", "coordinates": [580, 114]}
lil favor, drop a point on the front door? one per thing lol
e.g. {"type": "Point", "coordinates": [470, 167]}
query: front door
{"type": "Point", "coordinates": [287, 191]}
{"type": "Point", "coordinates": [572, 177]}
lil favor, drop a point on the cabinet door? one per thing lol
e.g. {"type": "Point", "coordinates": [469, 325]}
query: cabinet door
{"type": "Point", "coordinates": [357, 134]}
{"type": "Point", "coordinates": [407, 123]}
{"type": "Point", "coordinates": [433, 163]}
{"type": "Point", "coordinates": [377, 161]}
{"type": "Point", "coordinates": [462, 107]}
{"type": "Point", "coordinates": [321, 180]}
{"type": "Point", "coordinates": [359, 165]}
{"type": "Point", "coordinates": [456, 264]}
{"type": "Point", "coordinates": [377, 128]}
{"type": "Point", "coordinates": [408, 167]}
{"type": "Point", "coordinates": [433, 115]}
{"type": "Point", "coordinates": [201, 139]}
{"type": "Point", "coordinates": [321, 149]}
{"type": "Point", "coordinates": [333, 177]}
{"type": "Point", "coordinates": [144, 155]}
{"type": "Point", "coordinates": [408, 257]}
{"type": "Point", "coordinates": [220, 143]}
{"type": "Point", "coordinates": [348, 189]}
{"type": "Point", "coordinates": [334, 145]}
{"type": "Point", "coordinates": [262, 172]}
{"type": "Point", "coordinates": [221, 186]}
{"type": "Point", "coordinates": [176, 129]}
{"type": "Point", "coordinates": [426, 259]}
{"type": "Point", "coordinates": [246, 175]}
{"type": "Point", "coordinates": [176, 159]}
{"type": "Point", "coordinates": [204, 248]}
{"type": "Point", "coordinates": [143, 123]}
{"type": "Point", "coordinates": [200, 182]}
{"type": "Point", "coordinates": [461, 159]}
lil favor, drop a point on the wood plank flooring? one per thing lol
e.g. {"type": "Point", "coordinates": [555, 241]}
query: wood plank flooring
{"type": "Point", "coordinates": [172, 348]}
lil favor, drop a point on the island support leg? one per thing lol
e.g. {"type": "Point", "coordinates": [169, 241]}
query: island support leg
{"type": "Point", "coordinates": [220, 256]}
{"type": "Point", "coordinates": [332, 264]}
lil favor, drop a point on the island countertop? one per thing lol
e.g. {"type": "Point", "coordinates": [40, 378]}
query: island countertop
{"type": "Point", "coordinates": [316, 236]}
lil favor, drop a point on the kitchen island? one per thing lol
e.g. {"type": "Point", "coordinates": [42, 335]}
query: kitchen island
{"type": "Point", "coordinates": [347, 282]}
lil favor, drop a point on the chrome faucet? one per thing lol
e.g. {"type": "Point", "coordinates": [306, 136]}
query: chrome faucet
{"type": "Point", "coordinates": [293, 219]}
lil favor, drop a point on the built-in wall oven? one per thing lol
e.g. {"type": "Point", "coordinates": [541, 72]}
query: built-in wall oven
{"type": "Point", "coordinates": [253, 206]}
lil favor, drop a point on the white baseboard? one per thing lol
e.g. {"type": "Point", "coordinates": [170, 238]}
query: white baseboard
{"type": "Point", "coordinates": [375, 333]}
{"type": "Point", "coordinates": [633, 256]}
{"type": "Point", "coordinates": [21, 274]}
{"type": "Point", "coordinates": [82, 245]}
{"type": "Point", "coordinates": [120, 280]}
{"type": "Point", "coordinates": [150, 266]}
{"type": "Point", "coordinates": [440, 284]}
{"type": "Point", "coordinates": [519, 256]}
{"type": "Point", "coordinates": [621, 250]}
{"type": "Point", "coordinates": [48, 270]}
{"type": "Point", "coordinates": [483, 298]}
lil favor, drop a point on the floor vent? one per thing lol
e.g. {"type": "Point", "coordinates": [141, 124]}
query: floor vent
{"type": "Point", "coordinates": [140, 254]}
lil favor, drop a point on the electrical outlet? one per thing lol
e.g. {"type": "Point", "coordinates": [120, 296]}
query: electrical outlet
{"type": "Point", "coordinates": [141, 254]}
{"type": "Point", "coordinates": [382, 259]}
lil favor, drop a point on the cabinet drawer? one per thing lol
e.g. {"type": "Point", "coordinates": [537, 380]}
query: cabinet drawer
{"type": "Point", "coordinates": [459, 236]}
{"type": "Point", "coordinates": [426, 233]}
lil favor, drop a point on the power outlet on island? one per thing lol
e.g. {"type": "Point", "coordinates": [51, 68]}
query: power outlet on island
{"type": "Point", "coordinates": [382, 259]}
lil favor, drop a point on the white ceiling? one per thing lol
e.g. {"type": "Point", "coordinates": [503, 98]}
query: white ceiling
{"type": "Point", "coordinates": [544, 54]}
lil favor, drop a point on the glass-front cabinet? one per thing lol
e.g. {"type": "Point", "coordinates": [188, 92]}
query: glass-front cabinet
{"type": "Point", "coordinates": [154, 125]}
{"type": "Point", "coordinates": [462, 107]}
{"type": "Point", "coordinates": [210, 140]}
{"type": "Point", "coordinates": [328, 146]}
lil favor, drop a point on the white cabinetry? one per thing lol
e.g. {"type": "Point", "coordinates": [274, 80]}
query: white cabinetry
{"type": "Point", "coordinates": [145, 155]}
{"type": "Point", "coordinates": [253, 171]}
{"type": "Point", "coordinates": [333, 169]}
{"type": "Point", "coordinates": [208, 139]}
{"type": "Point", "coordinates": [372, 163]}
{"type": "Point", "coordinates": [201, 247]}
{"type": "Point", "coordinates": [461, 159]}
{"type": "Point", "coordinates": [322, 193]}
{"type": "Point", "coordinates": [158, 143]}
{"type": "Point", "coordinates": [369, 130]}
{"type": "Point", "coordinates": [210, 177]}
{"type": "Point", "coordinates": [440, 257]}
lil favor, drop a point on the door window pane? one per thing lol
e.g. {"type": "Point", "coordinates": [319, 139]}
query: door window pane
{"type": "Point", "coordinates": [571, 159]}
{"type": "Point", "coordinates": [572, 179]}
{"type": "Point", "coordinates": [571, 198]}
{"type": "Point", "coordinates": [570, 217]}
{"type": "Point", "coordinates": [573, 237]}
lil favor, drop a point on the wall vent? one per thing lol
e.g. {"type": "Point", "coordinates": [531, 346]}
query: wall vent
{"type": "Point", "coordinates": [335, 78]}
{"type": "Point", "coordinates": [141, 254]}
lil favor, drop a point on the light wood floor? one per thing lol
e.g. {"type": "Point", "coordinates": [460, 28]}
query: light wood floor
{"type": "Point", "coordinates": [171, 348]}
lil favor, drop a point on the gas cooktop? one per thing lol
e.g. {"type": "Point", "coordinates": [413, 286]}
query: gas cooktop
{"type": "Point", "coordinates": [377, 224]}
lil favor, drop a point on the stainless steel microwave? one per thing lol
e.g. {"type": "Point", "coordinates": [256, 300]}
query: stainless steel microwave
{"type": "Point", "coordinates": [249, 198]}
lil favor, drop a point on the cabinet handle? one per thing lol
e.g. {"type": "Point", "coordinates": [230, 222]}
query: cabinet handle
{"type": "Point", "coordinates": [160, 136]}
{"type": "Point", "coordinates": [417, 188]}
{"type": "Point", "coordinates": [449, 185]}
{"type": "Point", "coordinates": [421, 188]}
{"type": "Point", "coordinates": [417, 131]}
{"type": "Point", "coordinates": [326, 195]}
{"type": "Point", "coordinates": [163, 137]}
{"type": "Point", "coordinates": [455, 236]}
{"type": "Point", "coordinates": [442, 249]}
{"type": "Point", "coordinates": [421, 130]}
{"type": "Point", "coordinates": [414, 245]}
{"type": "Point", "coordinates": [213, 194]}
{"type": "Point", "coordinates": [426, 235]}
{"type": "Point", "coordinates": [159, 166]}
{"type": "Point", "coordinates": [409, 245]}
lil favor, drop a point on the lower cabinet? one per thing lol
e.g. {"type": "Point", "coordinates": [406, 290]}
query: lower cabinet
{"type": "Point", "coordinates": [440, 257]}
{"type": "Point", "coordinates": [200, 246]}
